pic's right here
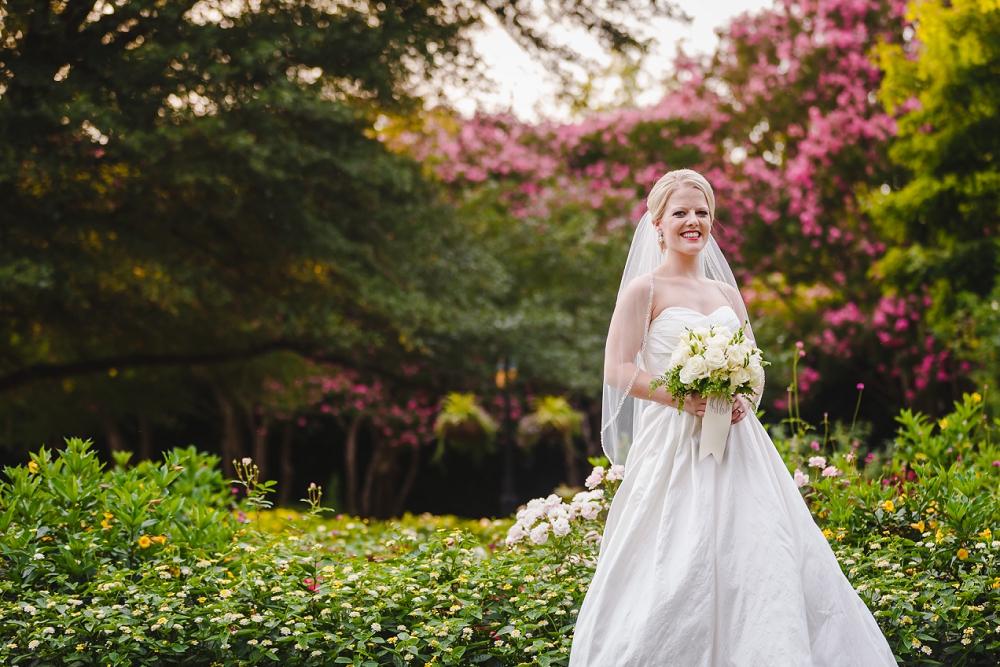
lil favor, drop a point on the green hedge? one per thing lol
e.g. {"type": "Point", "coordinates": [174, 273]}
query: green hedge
{"type": "Point", "coordinates": [150, 565]}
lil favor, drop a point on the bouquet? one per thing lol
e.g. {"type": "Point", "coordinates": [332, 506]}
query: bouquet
{"type": "Point", "coordinates": [718, 364]}
{"type": "Point", "coordinates": [712, 361]}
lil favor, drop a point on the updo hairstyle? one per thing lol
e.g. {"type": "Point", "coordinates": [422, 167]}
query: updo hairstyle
{"type": "Point", "coordinates": [672, 181]}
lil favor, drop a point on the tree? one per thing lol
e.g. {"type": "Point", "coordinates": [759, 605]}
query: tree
{"type": "Point", "coordinates": [785, 122]}
{"type": "Point", "coordinates": [942, 215]}
{"type": "Point", "coordinates": [192, 190]}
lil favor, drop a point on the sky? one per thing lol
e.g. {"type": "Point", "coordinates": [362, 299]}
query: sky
{"type": "Point", "coordinates": [522, 86]}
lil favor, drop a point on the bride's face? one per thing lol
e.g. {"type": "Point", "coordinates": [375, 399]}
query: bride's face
{"type": "Point", "coordinates": [686, 223]}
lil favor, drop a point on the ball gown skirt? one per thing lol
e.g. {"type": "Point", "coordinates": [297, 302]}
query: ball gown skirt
{"type": "Point", "coordinates": [706, 565]}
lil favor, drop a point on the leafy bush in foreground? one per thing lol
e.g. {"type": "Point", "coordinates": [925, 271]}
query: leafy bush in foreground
{"type": "Point", "coordinates": [173, 576]}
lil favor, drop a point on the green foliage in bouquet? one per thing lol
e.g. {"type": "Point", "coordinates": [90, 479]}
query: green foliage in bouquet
{"type": "Point", "coordinates": [739, 369]}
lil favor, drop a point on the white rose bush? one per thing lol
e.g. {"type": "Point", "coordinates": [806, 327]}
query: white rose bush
{"type": "Point", "coordinates": [712, 360]}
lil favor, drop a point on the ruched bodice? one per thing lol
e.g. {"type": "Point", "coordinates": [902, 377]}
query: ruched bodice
{"type": "Point", "coordinates": [666, 328]}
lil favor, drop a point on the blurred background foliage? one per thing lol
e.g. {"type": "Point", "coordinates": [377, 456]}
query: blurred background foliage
{"type": "Point", "coordinates": [244, 226]}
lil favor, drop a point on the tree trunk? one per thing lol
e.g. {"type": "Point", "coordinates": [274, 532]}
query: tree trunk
{"type": "Point", "coordinates": [370, 474]}
{"type": "Point", "coordinates": [145, 438]}
{"type": "Point", "coordinates": [258, 429]}
{"type": "Point", "coordinates": [378, 498]}
{"type": "Point", "coordinates": [572, 476]}
{"type": "Point", "coordinates": [591, 444]}
{"type": "Point", "coordinates": [231, 447]}
{"type": "Point", "coordinates": [116, 441]}
{"type": "Point", "coordinates": [411, 477]}
{"type": "Point", "coordinates": [351, 466]}
{"type": "Point", "coordinates": [287, 470]}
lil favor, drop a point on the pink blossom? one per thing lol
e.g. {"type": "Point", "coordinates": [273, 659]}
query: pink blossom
{"type": "Point", "coordinates": [540, 533]}
{"type": "Point", "coordinates": [831, 471]}
{"type": "Point", "coordinates": [817, 462]}
{"type": "Point", "coordinates": [596, 477]}
{"type": "Point", "coordinates": [801, 479]}
{"type": "Point", "coordinates": [615, 473]}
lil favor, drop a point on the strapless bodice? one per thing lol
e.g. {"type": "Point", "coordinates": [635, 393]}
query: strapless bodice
{"type": "Point", "coordinates": [666, 328]}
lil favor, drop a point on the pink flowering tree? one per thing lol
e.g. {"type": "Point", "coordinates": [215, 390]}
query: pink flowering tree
{"type": "Point", "coordinates": [395, 422]}
{"type": "Point", "coordinates": [785, 122]}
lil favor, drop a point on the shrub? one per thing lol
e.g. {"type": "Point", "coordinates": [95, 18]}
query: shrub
{"type": "Point", "coordinates": [221, 587]}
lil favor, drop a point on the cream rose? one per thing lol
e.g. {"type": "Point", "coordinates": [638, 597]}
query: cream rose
{"type": "Point", "coordinates": [719, 341]}
{"type": "Point", "coordinates": [695, 368]}
{"type": "Point", "coordinates": [738, 377]}
{"type": "Point", "coordinates": [715, 358]}
{"type": "Point", "coordinates": [680, 356]}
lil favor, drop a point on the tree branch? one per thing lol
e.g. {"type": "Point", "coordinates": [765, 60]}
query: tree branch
{"type": "Point", "coordinates": [57, 371]}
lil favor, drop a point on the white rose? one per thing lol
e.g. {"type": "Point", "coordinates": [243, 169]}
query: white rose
{"type": "Point", "coordinates": [734, 360]}
{"type": "Point", "coordinates": [718, 341]}
{"type": "Point", "coordinates": [722, 330]}
{"type": "Point", "coordinates": [701, 332]}
{"type": "Point", "coordinates": [715, 358]}
{"type": "Point", "coordinates": [560, 527]}
{"type": "Point", "coordinates": [756, 376]}
{"type": "Point", "coordinates": [738, 377]}
{"type": "Point", "coordinates": [694, 369]}
{"type": "Point", "coordinates": [680, 356]}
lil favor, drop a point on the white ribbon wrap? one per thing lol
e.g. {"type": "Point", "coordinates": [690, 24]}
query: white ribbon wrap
{"type": "Point", "coordinates": [715, 427]}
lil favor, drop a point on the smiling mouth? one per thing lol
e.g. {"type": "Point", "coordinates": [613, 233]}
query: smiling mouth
{"type": "Point", "coordinates": [691, 235]}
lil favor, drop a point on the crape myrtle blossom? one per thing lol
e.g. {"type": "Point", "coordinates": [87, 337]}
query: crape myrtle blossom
{"type": "Point", "coordinates": [786, 124]}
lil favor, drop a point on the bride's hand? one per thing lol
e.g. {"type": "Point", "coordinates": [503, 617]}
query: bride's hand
{"type": "Point", "coordinates": [741, 408]}
{"type": "Point", "coordinates": [695, 404]}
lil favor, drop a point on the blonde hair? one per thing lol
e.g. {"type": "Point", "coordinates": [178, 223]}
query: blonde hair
{"type": "Point", "coordinates": [672, 181]}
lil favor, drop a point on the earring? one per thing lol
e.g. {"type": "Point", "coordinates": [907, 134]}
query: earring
{"type": "Point", "coordinates": [661, 240]}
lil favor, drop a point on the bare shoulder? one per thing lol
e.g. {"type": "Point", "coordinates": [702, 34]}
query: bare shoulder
{"type": "Point", "coordinates": [729, 290]}
{"type": "Point", "coordinates": [637, 288]}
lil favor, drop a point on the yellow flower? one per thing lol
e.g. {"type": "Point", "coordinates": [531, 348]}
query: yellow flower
{"type": "Point", "coordinates": [159, 539]}
{"type": "Point", "coordinates": [144, 541]}
{"type": "Point", "coordinates": [986, 534]}
{"type": "Point", "coordinates": [889, 506]}
{"type": "Point", "coordinates": [976, 397]}
{"type": "Point", "coordinates": [32, 466]}
{"type": "Point", "coordinates": [962, 554]}
{"type": "Point", "coordinates": [943, 424]}
{"type": "Point", "coordinates": [827, 533]}
{"type": "Point", "coordinates": [918, 525]}
{"type": "Point", "coordinates": [921, 456]}
{"type": "Point", "coordinates": [109, 516]}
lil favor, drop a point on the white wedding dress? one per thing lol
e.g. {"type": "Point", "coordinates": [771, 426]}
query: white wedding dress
{"type": "Point", "coordinates": [715, 566]}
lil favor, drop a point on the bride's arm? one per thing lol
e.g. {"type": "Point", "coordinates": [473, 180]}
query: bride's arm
{"type": "Point", "coordinates": [625, 336]}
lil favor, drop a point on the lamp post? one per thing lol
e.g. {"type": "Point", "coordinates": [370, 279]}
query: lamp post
{"type": "Point", "coordinates": [506, 373]}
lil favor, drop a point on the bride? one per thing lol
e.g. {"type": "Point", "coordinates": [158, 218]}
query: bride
{"type": "Point", "coordinates": [703, 565]}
